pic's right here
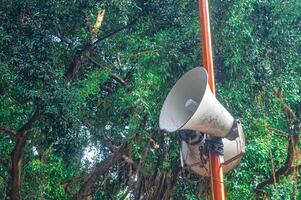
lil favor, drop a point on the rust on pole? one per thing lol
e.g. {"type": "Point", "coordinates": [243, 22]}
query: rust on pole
{"type": "Point", "coordinates": [216, 169]}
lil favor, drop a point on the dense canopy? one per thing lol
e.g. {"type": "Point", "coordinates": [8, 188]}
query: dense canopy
{"type": "Point", "coordinates": [82, 83]}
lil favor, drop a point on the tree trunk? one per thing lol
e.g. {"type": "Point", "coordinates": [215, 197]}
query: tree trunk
{"type": "Point", "coordinates": [99, 170]}
{"type": "Point", "coordinates": [17, 167]}
{"type": "Point", "coordinates": [17, 154]}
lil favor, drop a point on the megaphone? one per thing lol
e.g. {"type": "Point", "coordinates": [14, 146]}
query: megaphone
{"type": "Point", "coordinates": [191, 154]}
{"type": "Point", "coordinates": [191, 105]}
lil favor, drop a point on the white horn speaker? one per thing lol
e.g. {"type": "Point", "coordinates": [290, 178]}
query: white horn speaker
{"type": "Point", "coordinates": [191, 105]}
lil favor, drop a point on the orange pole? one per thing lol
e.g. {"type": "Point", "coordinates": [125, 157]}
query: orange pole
{"type": "Point", "coordinates": [206, 42]}
{"type": "Point", "coordinates": [216, 170]}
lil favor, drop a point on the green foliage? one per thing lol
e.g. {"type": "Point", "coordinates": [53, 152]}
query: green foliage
{"type": "Point", "coordinates": [43, 180]}
{"type": "Point", "coordinates": [257, 57]}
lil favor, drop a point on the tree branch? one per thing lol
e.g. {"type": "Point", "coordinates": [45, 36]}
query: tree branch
{"type": "Point", "coordinates": [87, 49]}
{"type": "Point", "coordinates": [97, 25]}
{"type": "Point", "coordinates": [281, 172]}
{"type": "Point", "coordinates": [8, 131]}
{"type": "Point", "coordinates": [60, 34]}
{"type": "Point", "coordinates": [100, 169]}
{"type": "Point", "coordinates": [5, 163]}
{"type": "Point", "coordinates": [27, 126]}
{"type": "Point", "coordinates": [119, 80]}
{"type": "Point", "coordinates": [114, 76]}
{"type": "Point", "coordinates": [292, 151]}
{"type": "Point", "coordinates": [117, 30]}
{"type": "Point", "coordinates": [140, 166]}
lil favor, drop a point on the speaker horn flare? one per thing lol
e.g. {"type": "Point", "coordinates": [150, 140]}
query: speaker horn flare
{"type": "Point", "coordinates": [191, 105]}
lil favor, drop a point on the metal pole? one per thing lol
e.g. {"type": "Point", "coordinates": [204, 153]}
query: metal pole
{"type": "Point", "coordinates": [216, 170]}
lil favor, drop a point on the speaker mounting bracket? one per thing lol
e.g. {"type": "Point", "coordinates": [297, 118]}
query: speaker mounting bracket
{"type": "Point", "coordinates": [235, 131]}
{"type": "Point", "coordinates": [215, 145]}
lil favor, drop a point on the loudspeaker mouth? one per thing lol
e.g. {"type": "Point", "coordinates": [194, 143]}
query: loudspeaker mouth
{"type": "Point", "coordinates": [191, 105]}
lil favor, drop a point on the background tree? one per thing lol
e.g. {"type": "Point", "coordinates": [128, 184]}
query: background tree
{"type": "Point", "coordinates": [82, 84]}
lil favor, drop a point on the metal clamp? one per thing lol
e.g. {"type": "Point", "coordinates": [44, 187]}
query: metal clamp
{"type": "Point", "coordinates": [215, 145]}
{"type": "Point", "coordinates": [235, 130]}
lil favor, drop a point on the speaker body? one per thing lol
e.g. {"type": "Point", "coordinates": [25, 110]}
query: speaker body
{"type": "Point", "coordinates": [233, 151]}
{"type": "Point", "coordinates": [205, 115]}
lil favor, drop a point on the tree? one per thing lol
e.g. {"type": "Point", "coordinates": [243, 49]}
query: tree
{"type": "Point", "coordinates": [85, 75]}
